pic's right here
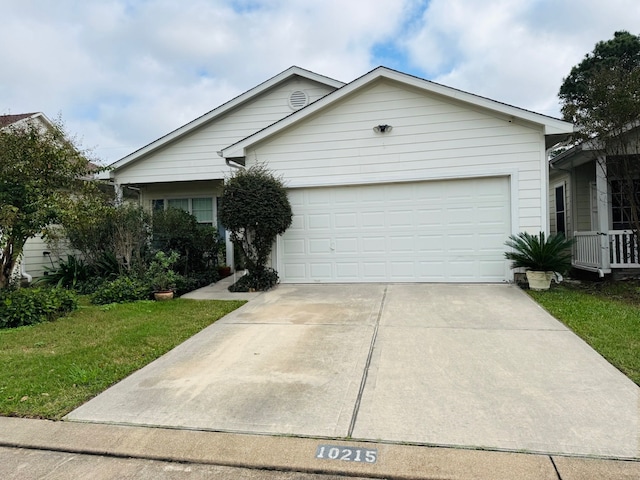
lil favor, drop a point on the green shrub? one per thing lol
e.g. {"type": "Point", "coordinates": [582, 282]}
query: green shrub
{"type": "Point", "coordinates": [27, 306]}
{"type": "Point", "coordinates": [256, 281]}
{"type": "Point", "coordinates": [255, 209]}
{"type": "Point", "coordinates": [539, 252]}
{"type": "Point", "coordinates": [121, 290]}
{"type": "Point", "coordinates": [198, 246]}
{"type": "Point", "coordinates": [68, 274]}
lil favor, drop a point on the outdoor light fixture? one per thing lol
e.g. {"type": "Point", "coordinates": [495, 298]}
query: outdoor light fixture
{"type": "Point", "coordinates": [382, 128]}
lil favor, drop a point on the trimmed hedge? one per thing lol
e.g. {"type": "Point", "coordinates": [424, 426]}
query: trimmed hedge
{"type": "Point", "coordinates": [28, 306]}
{"type": "Point", "coordinates": [121, 290]}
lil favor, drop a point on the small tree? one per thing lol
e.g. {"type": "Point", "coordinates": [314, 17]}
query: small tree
{"type": "Point", "coordinates": [601, 96]}
{"type": "Point", "coordinates": [41, 170]}
{"type": "Point", "coordinates": [255, 209]}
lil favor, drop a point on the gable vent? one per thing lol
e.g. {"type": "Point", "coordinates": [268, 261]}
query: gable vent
{"type": "Point", "coordinates": [298, 99]}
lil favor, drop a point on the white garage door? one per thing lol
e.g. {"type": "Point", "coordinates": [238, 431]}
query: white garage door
{"type": "Point", "coordinates": [437, 231]}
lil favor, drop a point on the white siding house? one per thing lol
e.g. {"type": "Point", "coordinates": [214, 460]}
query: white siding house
{"type": "Point", "coordinates": [37, 254]}
{"type": "Point", "coordinates": [596, 212]}
{"type": "Point", "coordinates": [394, 178]}
{"type": "Point", "coordinates": [184, 169]}
{"type": "Point", "coordinates": [391, 177]}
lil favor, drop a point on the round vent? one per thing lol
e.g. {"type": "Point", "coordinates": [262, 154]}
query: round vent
{"type": "Point", "coordinates": [298, 99]}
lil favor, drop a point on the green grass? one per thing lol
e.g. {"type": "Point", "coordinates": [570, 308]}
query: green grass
{"type": "Point", "coordinates": [51, 368]}
{"type": "Point", "coordinates": [606, 317]}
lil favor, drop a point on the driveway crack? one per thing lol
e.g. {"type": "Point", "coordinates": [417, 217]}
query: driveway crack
{"type": "Point", "coordinates": [365, 374]}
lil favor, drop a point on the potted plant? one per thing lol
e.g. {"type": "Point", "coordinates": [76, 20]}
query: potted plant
{"type": "Point", "coordinates": [542, 257]}
{"type": "Point", "coordinates": [162, 278]}
{"type": "Point", "coordinates": [224, 271]}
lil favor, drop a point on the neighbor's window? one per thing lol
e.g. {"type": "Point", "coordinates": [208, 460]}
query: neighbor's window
{"type": "Point", "coordinates": [201, 208]}
{"type": "Point", "coordinates": [620, 204]}
{"type": "Point", "coordinates": [561, 224]}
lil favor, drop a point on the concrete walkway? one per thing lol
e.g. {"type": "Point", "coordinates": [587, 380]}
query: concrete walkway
{"type": "Point", "coordinates": [404, 370]}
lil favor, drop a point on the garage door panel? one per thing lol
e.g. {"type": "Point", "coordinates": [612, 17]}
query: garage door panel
{"type": "Point", "coordinates": [321, 271]}
{"type": "Point", "coordinates": [346, 220]}
{"type": "Point", "coordinates": [346, 246]}
{"type": "Point", "coordinates": [294, 246]}
{"type": "Point", "coordinates": [441, 231]}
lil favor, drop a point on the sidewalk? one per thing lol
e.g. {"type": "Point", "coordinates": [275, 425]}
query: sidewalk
{"type": "Point", "coordinates": [271, 453]}
{"type": "Point", "coordinates": [220, 291]}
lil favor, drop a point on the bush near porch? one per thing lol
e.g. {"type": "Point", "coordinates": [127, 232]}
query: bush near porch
{"type": "Point", "coordinates": [604, 314]}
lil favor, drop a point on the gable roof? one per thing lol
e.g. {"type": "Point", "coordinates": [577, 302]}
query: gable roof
{"type": "Point", "coordinates": [224, 108]}
{"type": "Point", "coordinates": [6, 120]}
{"type": "Point", "coordinates": [554, 128]}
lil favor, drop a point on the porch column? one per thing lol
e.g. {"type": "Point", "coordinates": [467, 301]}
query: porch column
{"type": "Point", "coordinates": [119, 194]}
{"type": "Point", "coordinates": [602, 191]}
{"type": "Point", "coordinates": [229, 251]}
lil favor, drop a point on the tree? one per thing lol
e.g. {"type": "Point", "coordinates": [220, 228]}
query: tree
{"type": "Point", "coordinates": [601, 96]}
{"type": "Point", "coordinates": [41, 169]}
{"type": "Point", "coordinates": [255, 209]}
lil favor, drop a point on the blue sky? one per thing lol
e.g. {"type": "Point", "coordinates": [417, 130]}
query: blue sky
{"type": "Point", "coordinates": [122, 73]}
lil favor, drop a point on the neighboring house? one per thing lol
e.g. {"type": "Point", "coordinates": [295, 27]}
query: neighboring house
{"type": "Point", "coordinates": [37, 254]}
{"type": "Point", "coordinates": [586, 205]}
{"type": "Point", "coordinates": [391, 177]}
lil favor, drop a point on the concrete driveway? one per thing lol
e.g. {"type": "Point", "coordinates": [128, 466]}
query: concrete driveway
{"type": "Point", "coordinates": [457, 365]}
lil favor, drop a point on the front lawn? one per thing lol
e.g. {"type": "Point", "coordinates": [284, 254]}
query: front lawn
{"type": "Point", "coordinates": [49, 369]}
{"type": "Point", "coordinates": [606, 315]}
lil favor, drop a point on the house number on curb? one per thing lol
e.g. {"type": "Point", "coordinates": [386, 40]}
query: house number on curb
{"type": "Point", "coordinates": [348, 454]}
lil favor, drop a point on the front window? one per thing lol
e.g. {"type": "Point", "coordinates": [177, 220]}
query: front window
{"type": "Point", "coordinates": [202, 208]}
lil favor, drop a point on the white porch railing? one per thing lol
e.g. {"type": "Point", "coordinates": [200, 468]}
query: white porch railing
{"type": "Point", "coordinates": [587, 250]}
{"type": "Point", "coordinates": [623, 249]}
{"type": "Point", "coordinates": [622, 245]}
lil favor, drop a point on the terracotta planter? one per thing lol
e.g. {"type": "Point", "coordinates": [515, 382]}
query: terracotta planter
{"type": "Point", "coordinates": [162, 296]}
{"type": "Point", "coordinates": [224, 272]}
{"type": "Point", "coordinates": [539, 280]}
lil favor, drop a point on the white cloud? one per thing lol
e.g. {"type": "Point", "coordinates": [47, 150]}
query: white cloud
{"type": "Point", "coordinates": [125, 72]}
{"type": "Point", "coordinates": [516, 51]}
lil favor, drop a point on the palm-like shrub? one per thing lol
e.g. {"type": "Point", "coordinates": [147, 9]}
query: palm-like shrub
{"type": "Point", "coordinates": [69, 273]}
{"type": "Point", "coordinates": [539, 252]}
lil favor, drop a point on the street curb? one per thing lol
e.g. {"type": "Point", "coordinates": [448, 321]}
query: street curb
{"type": "Point", "coordinates": [299, 454]}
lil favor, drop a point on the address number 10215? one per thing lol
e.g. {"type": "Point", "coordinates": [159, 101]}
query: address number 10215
{"type": "Point", "coordinates": [347, 454]}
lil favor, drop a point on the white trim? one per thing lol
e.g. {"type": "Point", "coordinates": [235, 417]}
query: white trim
{"type": "Point", "coordinates": [603, 209]}
{"type": "Point", "coordinates": [400, 177]}
{"type": "Point", "coordinates": [593, 205]}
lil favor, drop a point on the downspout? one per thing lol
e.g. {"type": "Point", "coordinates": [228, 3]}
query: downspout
{"type": "Point", "coordinates": [231, 162]}
{"type": "Point", "coordinates": [24, 274]}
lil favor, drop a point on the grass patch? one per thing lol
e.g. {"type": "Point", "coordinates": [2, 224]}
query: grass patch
{"type": "Point", "coordinates": [606, 316]}
{"type": "Point", "coordinates": [51, 368]}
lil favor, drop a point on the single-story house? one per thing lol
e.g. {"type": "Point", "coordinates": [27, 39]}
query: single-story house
{"type": "Point", "coordinates": [392, 178]}
{"type": "Point", "coordinates": [586, 203]}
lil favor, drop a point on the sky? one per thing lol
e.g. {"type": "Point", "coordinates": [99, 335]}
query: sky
{"type": "Point", "coordinates": [122, 73]}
